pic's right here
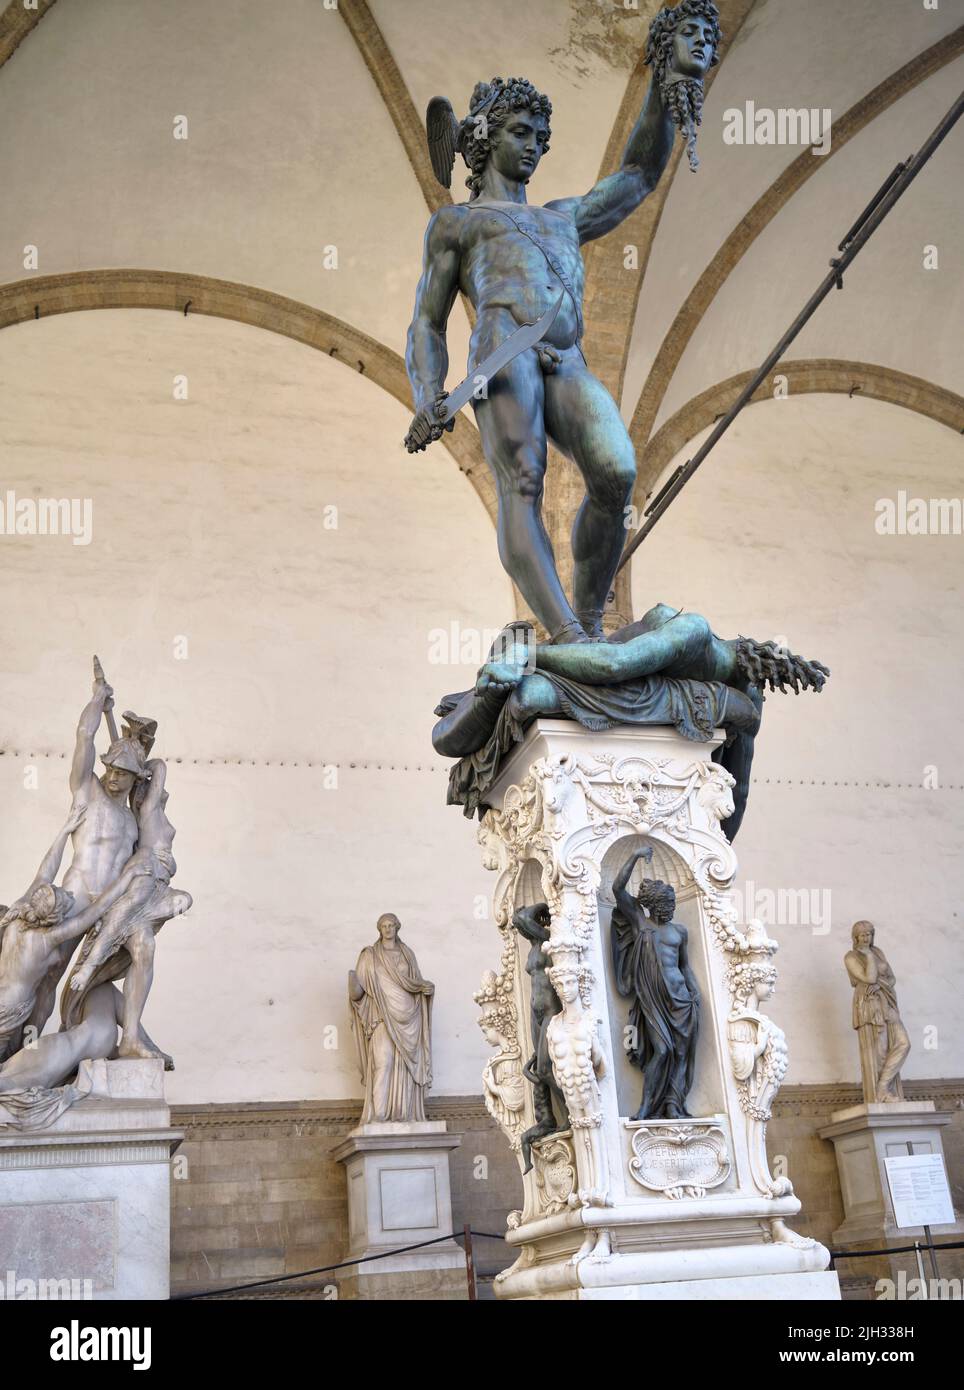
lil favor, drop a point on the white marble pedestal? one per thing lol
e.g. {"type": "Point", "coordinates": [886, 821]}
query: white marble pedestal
{"type": "Point", "coordinates": [87, 1200]}
{"type": "Point", "coordinates": [615, 1209]}
{"type": "Point", "coordinates": [863, 1136]}
{"type": "Point", "coordinates": [398, 1195]}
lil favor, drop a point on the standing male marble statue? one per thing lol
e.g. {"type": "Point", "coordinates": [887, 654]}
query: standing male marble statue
{"type": "Point", "coordinates": [123, 942]}
{"type": "Point", "coordinates": [514, 261]}
{"type": "Point", "coordinates": [884, 1043]}
{"type": "Point", "coordinates": [105, 838]}
{"type": "Point", "coordinates": [391, 1005]}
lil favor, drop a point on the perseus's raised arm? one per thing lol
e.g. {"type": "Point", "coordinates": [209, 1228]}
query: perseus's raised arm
{"type": "Point", "coordinates": [645, 157]}
{"type": "Point", "coordinates": [426, 354]}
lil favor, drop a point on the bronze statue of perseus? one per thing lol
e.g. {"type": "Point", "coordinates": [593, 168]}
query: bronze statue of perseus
{"type": "Point", "coordinates": [515, 261]}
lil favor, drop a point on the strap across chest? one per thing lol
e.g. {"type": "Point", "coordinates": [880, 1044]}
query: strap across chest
{"type": "Point", "coordinates": [553, 261]}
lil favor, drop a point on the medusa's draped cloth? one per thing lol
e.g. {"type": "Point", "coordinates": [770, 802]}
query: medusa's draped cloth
{"type": "Point", "coordinates": [655, 1015]}
{"type": "Point", "coordinates": [694, 708]}
{"type": "Point", "coordinates": [393, 1022]}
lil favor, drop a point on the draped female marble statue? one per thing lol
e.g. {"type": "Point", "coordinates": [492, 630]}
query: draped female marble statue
{"type": "Point", "coordinates": [884, 1043]}
{"type": "Point", "coordinates": [391, 1006]}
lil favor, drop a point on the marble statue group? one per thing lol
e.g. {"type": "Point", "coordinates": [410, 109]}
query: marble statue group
{"type": "Point", "coordinates": [113, 897]}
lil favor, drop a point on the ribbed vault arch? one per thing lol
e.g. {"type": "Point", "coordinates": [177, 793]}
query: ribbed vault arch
{"type": "Point", "coordinates": [22, 300]}
{"type": "Point", "coordinates": [762, 213]}
{"type": "Point", "coordinates": [612, 296]}
{"type": "Point", "coordinates": [16, 22]}
{"type": "Point", "coordinates": [804, 377]}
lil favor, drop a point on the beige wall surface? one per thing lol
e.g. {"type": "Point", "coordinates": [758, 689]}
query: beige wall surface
{"type": "Point", "coordinates": [274, 645]}
{"type": "Point", "coordinates": [776, 538]}
{"type": "Point", "coordinates": [310, 647]}
{"type": "Point", "coordinates": [815, 57]}
{"type": "Point", "coordinates": [304, 646]}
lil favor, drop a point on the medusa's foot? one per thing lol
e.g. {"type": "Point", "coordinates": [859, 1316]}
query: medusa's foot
{"type": "Point", "coordinates": [498, 678]}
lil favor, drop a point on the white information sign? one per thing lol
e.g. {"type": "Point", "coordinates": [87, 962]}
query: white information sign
{"type": "Point", "coordinates": [919, 1190]}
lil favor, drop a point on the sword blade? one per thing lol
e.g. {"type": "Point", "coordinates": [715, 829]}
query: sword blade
{"type": "Point", "coordinates": [525, 337]}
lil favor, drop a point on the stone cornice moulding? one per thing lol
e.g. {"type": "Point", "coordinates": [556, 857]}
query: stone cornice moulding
{"type": "Point", "coordinates": [822, 1099]}
{"type": "Point", "coordinates": [762, 213]}
{"type": "Point", "coordinates": [318, 1116]}
{"type": "Point", "coordinates": [305, 1118]}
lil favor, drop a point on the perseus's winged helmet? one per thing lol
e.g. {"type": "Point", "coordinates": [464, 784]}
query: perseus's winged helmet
{"type": "Point", "coordinates": [444, 131]}
{"type": "Point", "coordinates": [448, 136]}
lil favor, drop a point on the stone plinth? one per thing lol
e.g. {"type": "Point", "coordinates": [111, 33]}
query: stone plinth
{"type": "Point", "coordinates": [864, 1136]}
{"type": "Point", "coordinates": [399, 1195]}
{"type": "Point", "coordinates": [615, 1208]}
{"type": "Point", "coordinates": [87, 1199]}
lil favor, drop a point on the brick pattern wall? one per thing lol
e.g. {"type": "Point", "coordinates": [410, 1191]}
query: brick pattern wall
{"type": "Point", "coordinates": [257, 1193]}
{"type": "Point", "coordinates": [800, 1112]}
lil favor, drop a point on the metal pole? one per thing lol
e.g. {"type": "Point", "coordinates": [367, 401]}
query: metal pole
{"type": "Point", "coordinates": [930, 1243]}
{"type": "Point", "coordinates": [469, 1263]}
{"type": "Point", "coordinates": [856, 239]}
{"type": "Point", "coordinates": [920, 1269]}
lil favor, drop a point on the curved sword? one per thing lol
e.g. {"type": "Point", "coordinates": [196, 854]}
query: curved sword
{"type": "Point", "coordinates": [476, 382]}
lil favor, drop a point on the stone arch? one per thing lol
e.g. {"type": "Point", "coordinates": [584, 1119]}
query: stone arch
{"type": "Point", "coordinates": [42, 296]}
{"type": "Point", "coordinates": [754, 221]}
{"type": "Point", "coordinates": [804, 377]}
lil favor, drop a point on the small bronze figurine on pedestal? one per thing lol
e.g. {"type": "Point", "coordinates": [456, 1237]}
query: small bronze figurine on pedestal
{"type": "Point", "coordinates": [652, 969]}
{"type": "Point", "coordinates": [532, 923]}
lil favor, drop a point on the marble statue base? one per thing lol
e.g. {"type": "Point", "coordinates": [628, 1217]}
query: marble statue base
{"type": "Point", "coordinates": [863, 1136]}
{"type": "Point", "coordinates": [615, 1208]}
{"type": "Point", "coordinates": [399, 1195]}
{"type": "Point", "coordinates": [85, 1202]}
